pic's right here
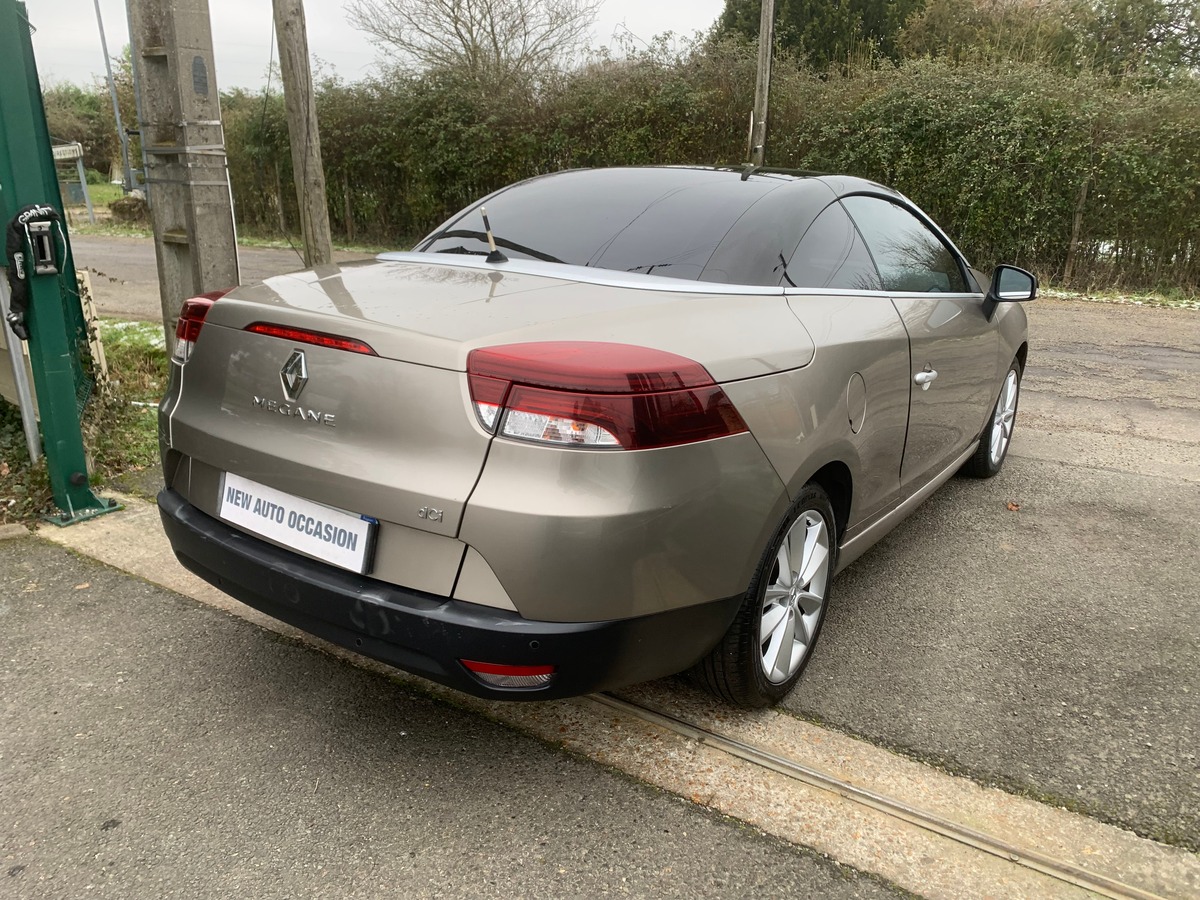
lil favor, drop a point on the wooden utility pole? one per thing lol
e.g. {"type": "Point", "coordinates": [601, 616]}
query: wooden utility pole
{"type": "Point", "coordinates": [762, 90]}
{"type": "Point", "coordinates": [292, 33]}
{"type": "Point", "coordinates": [187, 178]}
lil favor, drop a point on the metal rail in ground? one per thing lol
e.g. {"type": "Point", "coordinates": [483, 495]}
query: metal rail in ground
{"type": "Point", "coordinates": [947, 828]}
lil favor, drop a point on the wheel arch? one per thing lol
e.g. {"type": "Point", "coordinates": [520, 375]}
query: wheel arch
{"type": "Point", "coordinates": [837, 481]}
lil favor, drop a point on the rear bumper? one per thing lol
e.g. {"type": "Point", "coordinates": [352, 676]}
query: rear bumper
{"type": "Point", "coordinates": [427, 634]}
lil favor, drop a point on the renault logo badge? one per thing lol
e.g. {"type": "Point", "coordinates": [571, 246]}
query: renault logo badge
{"type": "Point", "coordinates": [294, 376]}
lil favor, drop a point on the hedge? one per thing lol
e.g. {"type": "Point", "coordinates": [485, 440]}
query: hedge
{"type": "Point", "coordinates": [1086, 180]}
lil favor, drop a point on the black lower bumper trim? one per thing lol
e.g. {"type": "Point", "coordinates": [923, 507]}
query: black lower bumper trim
{"type": "Point", "coordinates": [427, 634]}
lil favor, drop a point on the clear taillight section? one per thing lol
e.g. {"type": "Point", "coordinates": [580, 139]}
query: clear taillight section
{"type": "Point", "coordinates": [596, 395]}
{"type": "Point", "coordinates": [191, 320]}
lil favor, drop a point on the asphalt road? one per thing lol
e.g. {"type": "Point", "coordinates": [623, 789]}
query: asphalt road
{"type": "Point", "coordinates": [1050, 648]}
{"type": "Point", "coordinates": [154, 747]}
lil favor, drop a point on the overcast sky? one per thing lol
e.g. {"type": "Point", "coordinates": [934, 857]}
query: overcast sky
{"type": "Point", "coordinates": [67, 41]}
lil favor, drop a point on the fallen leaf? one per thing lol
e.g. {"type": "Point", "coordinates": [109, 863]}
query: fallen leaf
{"type": "Point", "coordinates": [1013, 505]}
{"type": "Point", "coordinates": [80, 587]}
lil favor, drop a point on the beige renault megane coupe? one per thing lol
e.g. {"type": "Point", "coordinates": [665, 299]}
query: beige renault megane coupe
{"type": "Point", "coordinates": [600, 427]}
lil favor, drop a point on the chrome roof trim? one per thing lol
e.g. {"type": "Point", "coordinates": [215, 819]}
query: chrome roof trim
{"type": "Point", "coordinates": [584, 274]}
{"type": "Point", "coordinates": [899, 295]}
{"type": "Point", "coordinates": [638, 281]}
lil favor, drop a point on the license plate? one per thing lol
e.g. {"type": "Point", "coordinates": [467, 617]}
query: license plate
{"type": "Point", "coordinates": [331, 535]}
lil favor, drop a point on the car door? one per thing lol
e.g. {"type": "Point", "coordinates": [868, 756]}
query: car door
{"type": "Point", "coordinates": [952, 347]}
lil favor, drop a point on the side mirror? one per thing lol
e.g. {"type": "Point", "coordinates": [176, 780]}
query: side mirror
{"type": "Point", "coordinates": [1009, 285]}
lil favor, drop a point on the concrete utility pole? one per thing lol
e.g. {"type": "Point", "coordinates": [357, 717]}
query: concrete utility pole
{"type": "Point", "coordinates": [309, 174]}
{"type": "Point", "coordinates": [184, 144]}
{"type": "Point", "coordinates": [762, 90]}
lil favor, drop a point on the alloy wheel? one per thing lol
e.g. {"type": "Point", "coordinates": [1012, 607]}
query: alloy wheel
{"type": "Point", "coordinates": [1002, 421]}
{"type": "Point", "coordinates": [794, 601]}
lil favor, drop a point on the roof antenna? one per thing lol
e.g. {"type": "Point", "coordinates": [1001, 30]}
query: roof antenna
{"type": "Point", "coordinates": [495, 256]}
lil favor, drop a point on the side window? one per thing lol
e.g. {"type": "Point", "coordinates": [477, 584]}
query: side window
{"type": "Point", "coordinates": [832, 255]}
{"type": "Point", "coordinates": [910, 257]}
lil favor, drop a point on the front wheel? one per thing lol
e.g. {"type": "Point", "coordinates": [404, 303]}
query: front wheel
{"type": "Point", "coordinates": [765, 650]}
{"type": "Point", "coordinates": [994, 442]}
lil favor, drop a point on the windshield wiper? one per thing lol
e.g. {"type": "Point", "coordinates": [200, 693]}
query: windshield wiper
{"type": "Point", "coordinates": [507, 245]}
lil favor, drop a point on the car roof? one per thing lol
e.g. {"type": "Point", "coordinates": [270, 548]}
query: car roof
{"type": "Point", "coordinates": [724, 225]}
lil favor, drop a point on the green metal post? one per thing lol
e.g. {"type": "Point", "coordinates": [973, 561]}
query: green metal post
{"type": "Point", "coordinates": [27, 176]}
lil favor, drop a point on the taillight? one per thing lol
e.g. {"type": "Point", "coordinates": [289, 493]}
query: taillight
{"type": "Point", "coordinates": [317, 338]}
{"type": "Point", "coordinates": [597, 395]}
{"type": "Point", "coordinates": [191, 320]}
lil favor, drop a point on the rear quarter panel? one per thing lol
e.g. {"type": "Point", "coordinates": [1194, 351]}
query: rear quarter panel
{"type": "Point", "coordinates": [802, 418]}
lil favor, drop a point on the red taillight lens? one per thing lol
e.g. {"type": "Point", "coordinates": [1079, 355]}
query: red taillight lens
{"type": "Point", "coordinates": [318, 338]}
{"type": "Point", "coordinates": [499, 675]}
{"type": "Point", "coordinates": [191, 320]}
{"type": "Point", "coordinates": [591, 366]}
{"type": "Point", "coordinates": [597, 395]}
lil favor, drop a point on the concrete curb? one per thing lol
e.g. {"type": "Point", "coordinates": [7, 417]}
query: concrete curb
{"type": "Point", "coordinates": [13, 531]}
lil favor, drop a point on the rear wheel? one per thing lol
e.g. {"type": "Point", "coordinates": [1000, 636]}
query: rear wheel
{"type": "Point", "coordinates": [763, 654]}
{"type": "Point", "coordinates": [994, 442]}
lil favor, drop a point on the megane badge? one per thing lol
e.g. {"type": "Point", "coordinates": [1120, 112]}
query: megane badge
{"type": "Point", "coordinates": [294, 375]}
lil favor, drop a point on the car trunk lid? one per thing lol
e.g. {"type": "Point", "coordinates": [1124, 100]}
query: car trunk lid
{"type": "Point", "coordinates": [432, 309]}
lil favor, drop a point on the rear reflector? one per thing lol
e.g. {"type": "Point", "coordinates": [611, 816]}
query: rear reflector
{"type": "Point", "coordinates": [497, 675]}
{"type": "Point", "coordinates": [318, 338]}
{"type": "Point", "coordinates": [191, 320]}
{"type": "Point", "coordinates": [595, 395]}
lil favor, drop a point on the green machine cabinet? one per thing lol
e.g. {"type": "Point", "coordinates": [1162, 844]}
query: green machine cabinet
{"type": "Point", "coordinates": [53, 318]}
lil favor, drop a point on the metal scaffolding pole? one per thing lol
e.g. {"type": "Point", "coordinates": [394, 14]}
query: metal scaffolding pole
{"type": "Point", "coordinates": [112, 90]}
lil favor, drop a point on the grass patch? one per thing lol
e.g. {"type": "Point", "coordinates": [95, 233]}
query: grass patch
{"type": "Point", "coordinates": [137, 358]}
{"type": "Point", "coordinates": [108, 228]}
{"type": "Point", "coordinates": [269, 242]}
{"type": "Point", "coordinates": [120, 424]}
{"type": "Point", "coordinates": [102, 195]}
{"type": "Point", "coordinates": [281, 242]}
{"type": "Point", "coordinates": [1173, 298]}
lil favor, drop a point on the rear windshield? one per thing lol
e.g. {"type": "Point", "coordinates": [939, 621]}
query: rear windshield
{"type": "Point", "coordinates": [666, 222]}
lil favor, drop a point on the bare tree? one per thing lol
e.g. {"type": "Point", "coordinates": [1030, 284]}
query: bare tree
{"type": "Point", "coordinates": [493, 41]}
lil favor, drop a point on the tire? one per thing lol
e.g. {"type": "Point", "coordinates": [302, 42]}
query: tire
{"type": "Point", "coordinates": [757, 664]}
{"type": "Point", "coordinates": [997, 436]}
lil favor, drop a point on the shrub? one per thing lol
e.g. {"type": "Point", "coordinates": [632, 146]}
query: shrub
{"type": "Point", "coordinates": [1082, 178]}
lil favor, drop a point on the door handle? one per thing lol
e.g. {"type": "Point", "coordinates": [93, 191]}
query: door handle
{"type": "Point", "coordinates": [924, 379]}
